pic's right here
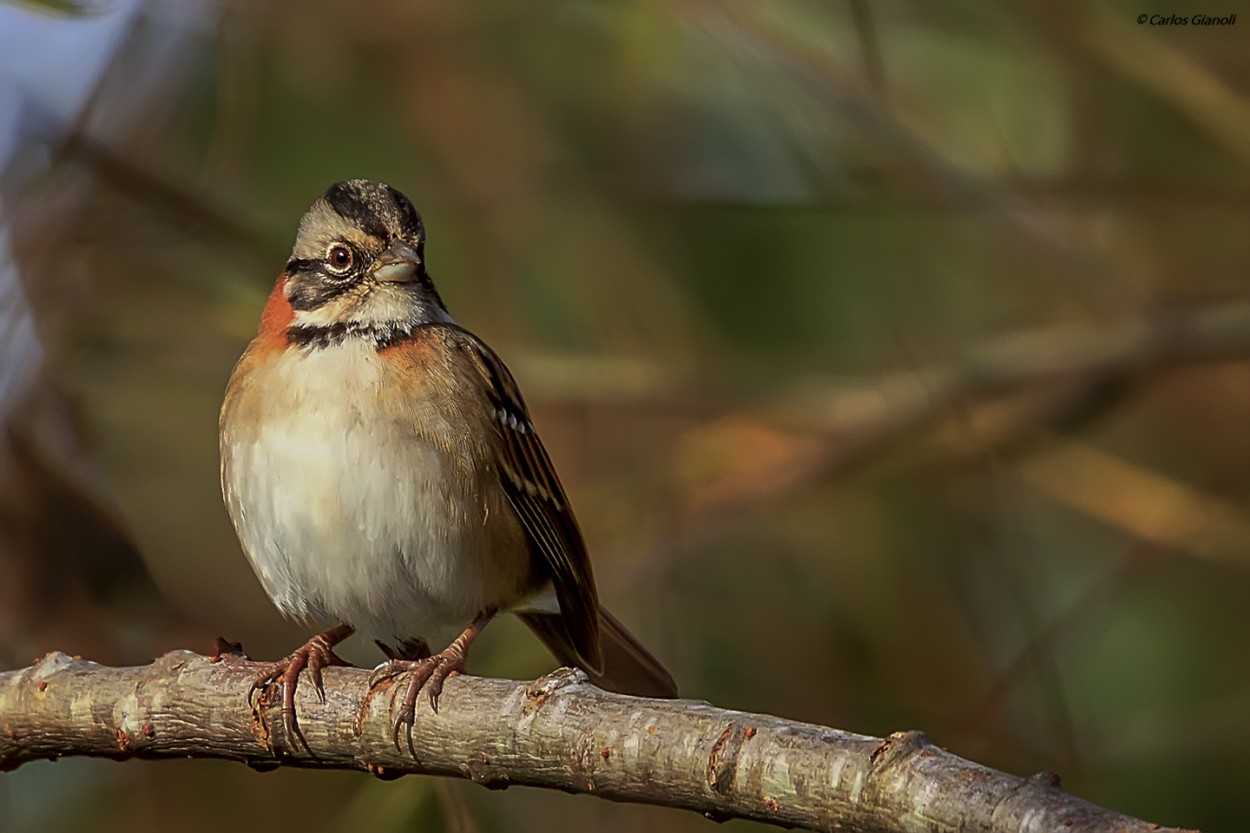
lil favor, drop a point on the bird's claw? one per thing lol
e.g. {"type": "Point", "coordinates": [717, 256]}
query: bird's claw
{"type": "Point", "coordinates": [314, 655]}
{"type": "Point", "coordinates": [427, 674]}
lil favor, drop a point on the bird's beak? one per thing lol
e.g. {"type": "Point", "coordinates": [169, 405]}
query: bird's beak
{"type": "Point", "coordinates": [398, 263]}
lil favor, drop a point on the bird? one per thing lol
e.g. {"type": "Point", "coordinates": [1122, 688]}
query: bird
{"type": "Point", "coordinates": [383, 473]}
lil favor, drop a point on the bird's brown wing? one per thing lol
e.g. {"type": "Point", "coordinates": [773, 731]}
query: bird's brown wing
{"type": "Point", "coordinates": [535, 492]}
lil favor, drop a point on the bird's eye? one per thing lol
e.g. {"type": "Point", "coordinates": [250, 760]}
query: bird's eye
{"type": "Point", "coordinates": [339, 258]}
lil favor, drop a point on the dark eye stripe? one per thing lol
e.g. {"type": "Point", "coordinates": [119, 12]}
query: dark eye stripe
{"type": "Point", "coordinates": [313, 291]}
{"type": "Point", "coordinates": [298, 265]}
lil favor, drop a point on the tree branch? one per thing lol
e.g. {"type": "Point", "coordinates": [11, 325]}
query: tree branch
{"type": "Point", "coordinates": [559, 732]}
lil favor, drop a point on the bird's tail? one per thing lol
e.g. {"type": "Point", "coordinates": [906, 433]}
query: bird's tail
{"type": "Point", "coordinates": [628, 667]}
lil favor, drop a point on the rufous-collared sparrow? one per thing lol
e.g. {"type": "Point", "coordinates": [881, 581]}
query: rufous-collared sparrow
{"type": "Point", "coordinates": [383, 474]}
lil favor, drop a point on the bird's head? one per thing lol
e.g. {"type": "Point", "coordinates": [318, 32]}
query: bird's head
{"type": "Point", "coordinates": [358, 266]}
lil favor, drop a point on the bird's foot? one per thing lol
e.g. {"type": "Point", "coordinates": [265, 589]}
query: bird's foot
{"type": "Point", "coordinates": [315, 654]}
{"type": "Point", "coordinates": [428, 673]}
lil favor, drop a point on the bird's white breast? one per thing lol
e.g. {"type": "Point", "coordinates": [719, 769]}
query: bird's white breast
{"type": "Point", "coordinates": [345, 511]}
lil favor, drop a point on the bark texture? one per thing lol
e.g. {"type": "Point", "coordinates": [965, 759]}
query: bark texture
{"type": "Point", "coordinates": [558, 732]}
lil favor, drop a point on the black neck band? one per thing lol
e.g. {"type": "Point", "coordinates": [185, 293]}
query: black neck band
{"type": "Point", "coordinates": [320, 337]}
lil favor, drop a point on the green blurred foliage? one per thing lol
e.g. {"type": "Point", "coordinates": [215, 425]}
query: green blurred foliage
{"type": "Point", "coordinates": [695, 231]}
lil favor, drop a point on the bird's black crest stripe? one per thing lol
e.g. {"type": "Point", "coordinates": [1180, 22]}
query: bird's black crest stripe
{"type": "Point", "coordinates": [351, 205]}
{"type": "Point", "coordinates": [409, 219]}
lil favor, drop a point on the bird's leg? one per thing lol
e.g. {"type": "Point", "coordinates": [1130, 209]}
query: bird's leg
{"type": "Point", "coordinates": [315, 654]}
{"type": "Point", "coordinates": [429, 673]}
